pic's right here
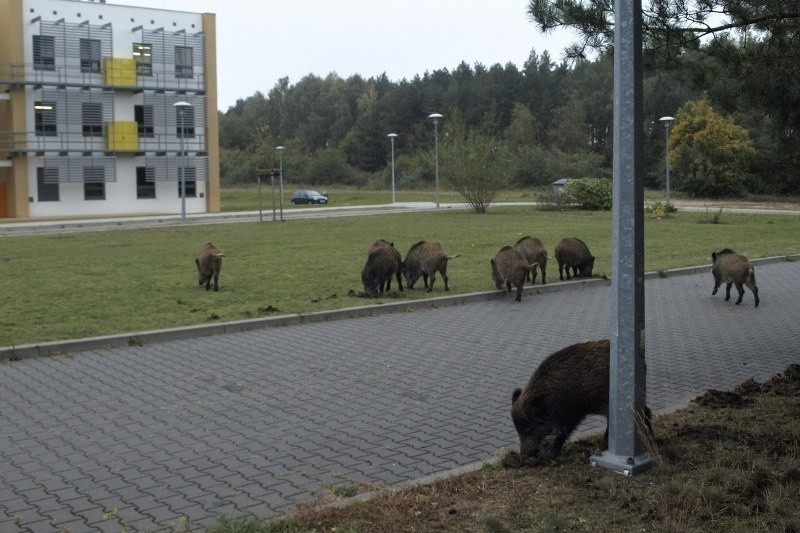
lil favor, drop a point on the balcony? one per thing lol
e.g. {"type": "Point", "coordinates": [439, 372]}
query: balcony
{"type": "Point", "coordinates": [117, 73]}
{"type": "Point", "coordinates": [119, 137]}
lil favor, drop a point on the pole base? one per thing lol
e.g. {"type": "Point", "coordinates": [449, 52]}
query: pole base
{"type": "Point", "coordinates": [623, 464]}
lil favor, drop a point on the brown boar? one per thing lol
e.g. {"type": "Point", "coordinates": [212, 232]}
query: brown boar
{"type": "Point", "coordinates": [732, 268]}
{"type": "Point", "coordinates": [573, 253]}
{"type": "Point", "coordinates": [569, 385]}
{"type": "Point", "coordinates": [426, 259]}
{"type": "Point", "coordinates": [509, 267]}
{"type": "Point", "coordinates": [209, 264]}
{"type": "Point", "coordinates": [383, 262]}
{"type": "Point", "coordinates": [534, 251]}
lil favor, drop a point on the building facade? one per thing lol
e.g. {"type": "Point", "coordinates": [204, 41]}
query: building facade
{"type": "Point", "coordinates": [106, 110]}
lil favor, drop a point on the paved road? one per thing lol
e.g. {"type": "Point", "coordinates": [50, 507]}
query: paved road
{"type": "Point", "coordinates": [143, 437]}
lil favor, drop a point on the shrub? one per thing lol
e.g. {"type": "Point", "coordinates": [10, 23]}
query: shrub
{"type": "Point", "coordinates": [661, 209]}
{"type": "Point", "coordinates": [594, 194]}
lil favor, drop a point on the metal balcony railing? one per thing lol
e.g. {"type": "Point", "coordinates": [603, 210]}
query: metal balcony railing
{"type": "Point", "coordinates": [162, 78]}
{"type": "Point", "coordinates": [17, 143]}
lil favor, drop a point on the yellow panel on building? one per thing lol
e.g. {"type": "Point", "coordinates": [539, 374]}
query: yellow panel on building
{"type": "Point", "coordinates": [122, 136]}
{"type": "Point", "coordinates": [120, 71]}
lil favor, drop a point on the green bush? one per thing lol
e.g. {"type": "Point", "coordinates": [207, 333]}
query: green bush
{"type": "Point", "coordinates": [593, 194]}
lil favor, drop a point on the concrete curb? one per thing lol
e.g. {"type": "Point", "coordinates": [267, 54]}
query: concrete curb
{"type": "Point", "coordinates": [27, 351]}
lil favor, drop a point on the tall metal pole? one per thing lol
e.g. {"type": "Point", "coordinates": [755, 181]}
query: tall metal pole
{"type": "Point", "coordinates": [183, 170]}
{"type": "Point", "coordinates": [181, 108]}
{"type": "Point", "coordinates": [626, 452]}
{"type": "Point", "coordinates": [392, 137]}
{"type": "Point", "coordinates": [436, 117]}
{"type": "Point", "coordinates": [280, 152]}
{"type": "Point", "coordinates": [667, 121]}
{"type": "Point", "coordinates": [260, 207]}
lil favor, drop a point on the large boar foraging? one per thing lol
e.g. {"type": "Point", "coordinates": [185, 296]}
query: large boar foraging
{"type": "Point", "coordinates": [569, 385]}
{"type": "Point", "coordinates": [426, 259]}
{"type": "Point", "coordinates": [383, 262]}
{"type": "Point", "coordinates": [534, 251]}
{"type": "Point", "coordinates": [730, 267]}
{"type": "Point", "coordinates": [209, 264]}
{"type": "Point", "coordinates": [573, 253]}
{"type": "Point", "coordinates": [509, 267]}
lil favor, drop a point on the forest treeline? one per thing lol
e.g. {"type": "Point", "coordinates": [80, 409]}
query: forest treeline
{"type": "Point", "coordinates": [735, 101]}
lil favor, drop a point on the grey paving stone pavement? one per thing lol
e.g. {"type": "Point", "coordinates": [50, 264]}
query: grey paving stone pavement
{"type": "Point", "coordinates": [183, 432]}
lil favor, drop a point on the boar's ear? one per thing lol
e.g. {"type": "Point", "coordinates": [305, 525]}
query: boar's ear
{"type": "Point", "coordinates": [515, 396]}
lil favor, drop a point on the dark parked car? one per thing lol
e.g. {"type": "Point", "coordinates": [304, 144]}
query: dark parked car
{"type": "Point", "coordinates": [306, 196]}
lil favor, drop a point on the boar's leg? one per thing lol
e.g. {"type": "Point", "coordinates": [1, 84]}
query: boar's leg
{"type": "Point", "coordinates": [728, 288]}
{"type": "Point", "coordinates": [558, 441]}
{"type": "Point", "coordinates": [753, 288]}
{"type": "Point", "coordinates": [740, 288]}
{"type": "Point", "coordinates": [717, 283]}
{"type": "Point", "coordinates": [519, 292]}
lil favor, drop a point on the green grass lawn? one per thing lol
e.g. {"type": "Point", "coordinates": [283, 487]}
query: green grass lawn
{"type": "Point", "coordinates": [77, 285]}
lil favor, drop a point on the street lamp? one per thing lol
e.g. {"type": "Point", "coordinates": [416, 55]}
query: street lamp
{"type": "Point", "coordinates": [392, 136]}
{"type": "Point", "coordinates": [667, 121]}
{"type": "Point", "coordinates": [436, 117]}
{"type": "Point", "coordinates": [181, 108]}
{"type": "Point", "coordinates": [280, 188]}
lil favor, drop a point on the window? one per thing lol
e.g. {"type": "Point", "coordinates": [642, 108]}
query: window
{"type": "Point", "coordinates": [47, 184]}
{"type": "Point", "coordinates": [145, 182]}
{"type": "Point", "coordinates": [185, 118]}
{"type": "Point", "coordinates": [92, 119]}
{"type": "Point", "coordinates": [94, 183]}
{"type": "Point", "coordinates": [45, 119]}
{"type": "Point", "coordinates": [143, 54]}
{"type": "Point", "coordinates": [44, 52]}
{"type": "Point", "coordinates": [144, 118]}
{"type": "Point", "coordinates": [191, 181]}
{"type": "Point", "coordinates": [184, 62]}
{"type": "Point", "coordinates": [90, 55]}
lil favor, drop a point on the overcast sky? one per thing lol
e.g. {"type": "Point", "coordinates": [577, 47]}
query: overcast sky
{"type": "Point", "coordinates": [261, 41]}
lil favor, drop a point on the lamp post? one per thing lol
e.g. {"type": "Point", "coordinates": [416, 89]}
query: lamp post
{"type": "Point", "coordinates": [280, 188]}
{"type": "Point", "coordinates": [181, 108]}
{"type": "Point", "coordinates": [436, 117]}
{"type": "Point", "coordinates": [667, 121]}
{"type": "Point", "coordinates": [392, 136]}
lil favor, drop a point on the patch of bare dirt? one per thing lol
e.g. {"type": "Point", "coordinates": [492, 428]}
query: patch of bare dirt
{"type": "Point", "coordinates": [730, 461]}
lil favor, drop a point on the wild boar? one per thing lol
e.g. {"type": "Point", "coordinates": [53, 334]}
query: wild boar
{"type": "Point", "coordinates": [383, 262]}
{"type": "Point", "coordinates": [569, 385]}
{"type": "Point", "coordinates": [509, 267]}
{"type": "Point", "coordinates": [733, 268]}
{"type": "Point", "coordinates": [534, 251]}
{"type": "Point", "coordinates": [426, 259]}
{"type": "Point", "coordinates": [209, 264]}
{"type": "Point", "coordinates": [573, 253]}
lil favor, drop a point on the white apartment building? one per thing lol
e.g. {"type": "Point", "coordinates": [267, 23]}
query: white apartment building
{"type": "Point", "coordinates": [89, 124]}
